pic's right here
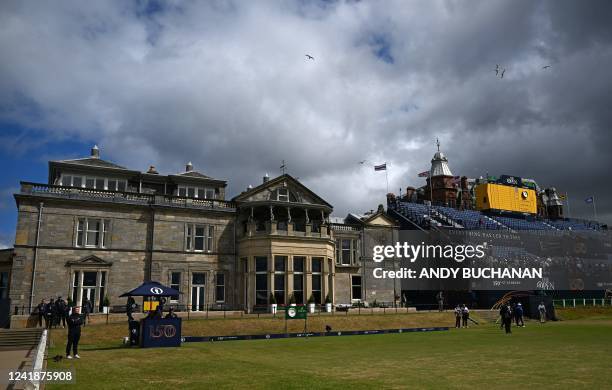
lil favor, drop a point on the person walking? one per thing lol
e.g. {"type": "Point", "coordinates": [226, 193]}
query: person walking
{"type": "Point", "coordinates": [465, 315]}
{"type": "Point", "coordinates": [458, 315]}
{"type": "Point", "coordinates": [542, 311]}
{"type": "Point", "coordinates": [74, 333]}
{"type": "Point", "coordinates": [506, 315]}
{"type": "Point", "coordinates": [518, 315]}
{"type": "Point", "coordinates": [130, 307]}
{"type": "Point", "coordinates": [41, 308]}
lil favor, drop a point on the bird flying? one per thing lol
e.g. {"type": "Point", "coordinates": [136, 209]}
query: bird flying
{"type": "Point", "coordinates": [497, 70]}
{"type": "Point", "coordinates": [546, 66]}
{"type": "Point", "coordinates": [502, 73]}
{"type": "Point", "coordinates": [308, 56]}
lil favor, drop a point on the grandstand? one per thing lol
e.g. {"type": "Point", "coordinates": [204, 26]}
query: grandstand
{"type": "Point", "coordinates": [493, 203]}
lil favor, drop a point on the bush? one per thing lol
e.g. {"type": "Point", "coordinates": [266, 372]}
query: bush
{"type": "Point", "coordinates": [328, 299]}
{"type": "Point", "coordinates": [311, 299]}
{"type": "Point", "coordinates": [106, 301]}
{"type": "Point", "coordinates": [272, 299]}
{"type": "Point", "coordinates": [291, 299]}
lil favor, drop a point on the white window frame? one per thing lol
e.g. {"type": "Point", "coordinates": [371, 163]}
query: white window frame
{"type": "Point", "coordinates": [172, 300]}
{"type": "Point", "coordinates": [84, 178]}
{"type": "Point", "coordinates": [198, 192]}
{"type": "Point", "coordinates": [282, 197]}
{"type": "Point", "coordinates": [207, 238]}
{"type": "Point", "coordinates": [217, 285]}
{"type": "Point", "coordinates": [85, 230]}
{"type": "Point", "coordinates": [354, 285]}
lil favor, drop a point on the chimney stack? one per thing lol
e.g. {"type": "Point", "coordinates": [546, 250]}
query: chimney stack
{"type": "Point", "coordinates": [189, 167]}
{"type": "Point", "coordinates": [95, 152]}
{"type": "Point", "coordinates": [266, 178]}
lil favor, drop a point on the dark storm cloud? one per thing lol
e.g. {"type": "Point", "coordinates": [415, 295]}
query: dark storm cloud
{"type": "Point", "coordinates": [226, 84]}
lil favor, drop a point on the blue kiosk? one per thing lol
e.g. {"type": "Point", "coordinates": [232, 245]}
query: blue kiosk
{"type": "Point", "coordinates": [154, 330]}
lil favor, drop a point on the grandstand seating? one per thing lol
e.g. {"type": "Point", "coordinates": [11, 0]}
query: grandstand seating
{"type": "Point", "coordinates": [469, 219]}
{"type": "Point", "coordinates": [474, 219]}
{"type": "Point", "coordinates": [522, 224]}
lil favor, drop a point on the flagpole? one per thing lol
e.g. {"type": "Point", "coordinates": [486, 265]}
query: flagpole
{"type": "Point", "coordinates": [594, 208]}
{"type": "Point", "coordinates": [568, 204]}
{"type": "Point", "coordinates": [386, 177]}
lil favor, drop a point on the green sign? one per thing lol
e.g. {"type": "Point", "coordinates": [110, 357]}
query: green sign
{"type": "Point", "coordinates": [295, 312]}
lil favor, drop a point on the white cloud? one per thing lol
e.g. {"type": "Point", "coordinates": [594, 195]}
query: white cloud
{"type": "Point", "coordinates": [227, 85]}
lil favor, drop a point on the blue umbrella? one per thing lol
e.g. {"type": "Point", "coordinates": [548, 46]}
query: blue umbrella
{"type": "Point", "coordinates": [151, 289]}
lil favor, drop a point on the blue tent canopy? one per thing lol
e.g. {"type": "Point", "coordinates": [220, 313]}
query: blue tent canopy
{"type": "Point", "coordinates": [151, 289]}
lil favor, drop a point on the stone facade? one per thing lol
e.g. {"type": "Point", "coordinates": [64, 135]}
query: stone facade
{"type": "Point", "coordinates": [82, 242]}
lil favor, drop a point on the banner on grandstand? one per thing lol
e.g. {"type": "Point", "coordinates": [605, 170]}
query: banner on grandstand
{"type": "Point", "coordinates": [381, 167]}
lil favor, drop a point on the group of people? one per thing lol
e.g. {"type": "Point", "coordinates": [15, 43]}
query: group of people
{"type": "Point", "coordinates": [462, 315]}
{"type": "Point", "coordinates": [509, 312]}
{"type": "Point", "coordinates": [56, 312]}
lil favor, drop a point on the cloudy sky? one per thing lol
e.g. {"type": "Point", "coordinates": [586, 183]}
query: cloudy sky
{"type": "Point", "coordinates": [227, 86]}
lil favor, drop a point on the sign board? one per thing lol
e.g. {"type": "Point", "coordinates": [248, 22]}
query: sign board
{"type": "Point", "coordinates": [296, 312]}
{"type": "Point", "coordinates": [163, 332]}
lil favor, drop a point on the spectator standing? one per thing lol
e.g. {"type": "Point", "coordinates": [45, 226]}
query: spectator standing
{"type": "Point", "coordinates": [465, 315]}
{"type": "Point", "coordinates": [130, 307]}
{"type": "Point", "coordinates": [440, 298]}
{"type": "Point", "coordinates": [542, 311]}
{"type": "Point", "coordinates": [60, 307]}
{"type": "Point", "coordinates": [74, 333]}
{"type": "Point", "coordinates": [506, 315]}
{"type": "Point", "coordinates": [87, 307]}
{"type": "Point", "coordinates": [518, 315]}
{"type": "Point", "coordinates": [41, 309]}
{"type": "Point", "coordinates": [172, 314]}
{"type": "Point", "coordinates": [458, 315]}
{"type": "Point", "coordinates": [49, 313]}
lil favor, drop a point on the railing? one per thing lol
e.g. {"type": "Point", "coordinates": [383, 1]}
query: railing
{"type": "Point", "coordinates": [582, 302]}
{"type": "Point", "coordinates": [343, 227]}
{"type": "Point", "coordinates": [55, 191]}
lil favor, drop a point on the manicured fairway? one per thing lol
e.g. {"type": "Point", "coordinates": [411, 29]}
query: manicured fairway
{"type": "Point", "coordinates": [568, 354]}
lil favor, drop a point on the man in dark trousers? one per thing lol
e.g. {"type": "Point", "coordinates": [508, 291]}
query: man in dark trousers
{"type": "Point", "coordinates": [440, 298]}
{"type": "Point", "coordinates": [88, 308]}
{"type": "Point", "coordinates": [60, 307]}
{"type": "Point", "coordinates": [518, 315]}
{"type": "Point", "coordinates": [130, 307]}
{"type": "Point", "coordinates": [41, 309]}
{"type": "Point", "coordinates": [74, 333]}
{"type": "Point", "coordinates": [506, 315]}
{"type": "Point", "coordinates": [458, 315]}
{"type": "Point", "coordinates": [465, 315]}
{"type": "Point", "coordinates": [49, 313]}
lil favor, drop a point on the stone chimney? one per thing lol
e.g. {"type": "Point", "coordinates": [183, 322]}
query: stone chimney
{"type": "Point", "coordinates": [189, 167]}
{"type": "Point", "coordinates": [95, 152]}
{"type": "Point", "coordinates": [266, 178]}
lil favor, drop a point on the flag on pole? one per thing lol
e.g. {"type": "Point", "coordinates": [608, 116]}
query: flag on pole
{"type": "Point", "coordinates": [381, 167]}
{"type": "Point", "coordinates": [563, 196]}
{"type": "Point", "coordinates": [590, 199]}
{"type": "Point", "coordinates": [424, 174]}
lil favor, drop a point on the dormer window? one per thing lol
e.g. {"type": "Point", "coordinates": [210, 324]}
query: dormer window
{"type": "Point", "coordinates": [197, 192]}
{"type": "Point", "coordinates": [282, 195]}
{"type": "Point", "coordinates": [92, 182]}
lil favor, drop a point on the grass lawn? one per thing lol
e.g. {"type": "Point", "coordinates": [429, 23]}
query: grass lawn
{"type": "Point", "coordinates": [566, 354]}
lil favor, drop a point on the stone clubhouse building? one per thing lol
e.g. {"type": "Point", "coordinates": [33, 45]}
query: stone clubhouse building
{"type": "Point", "coordinates": [97, 229]}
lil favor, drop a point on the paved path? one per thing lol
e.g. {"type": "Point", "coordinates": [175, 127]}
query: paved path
{"type": "Point", "coordinates": [20, 359]}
